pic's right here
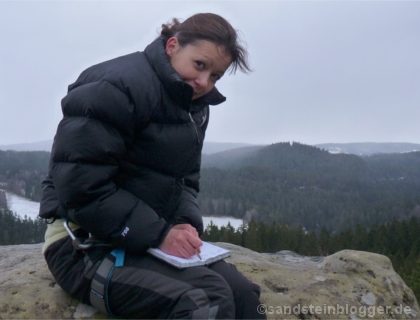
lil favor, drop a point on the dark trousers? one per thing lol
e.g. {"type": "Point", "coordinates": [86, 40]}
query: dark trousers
{"type": "Point", "coordinates": [146, 287]}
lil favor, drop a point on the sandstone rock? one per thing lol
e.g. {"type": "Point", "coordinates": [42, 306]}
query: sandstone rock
{"type": "Point", "coordinates": [28, 290]}
{"type": "Point", "coordinates": [345, 285]}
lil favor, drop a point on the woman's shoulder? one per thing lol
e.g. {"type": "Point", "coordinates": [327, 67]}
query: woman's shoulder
{"type": "Point", "coordinates": [131, 74]}
{"type": "Point", "coordinates": [116, 69]}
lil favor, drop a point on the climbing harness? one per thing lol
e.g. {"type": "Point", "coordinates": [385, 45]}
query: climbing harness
{"type": "Point", "coordinates": [100, 281]}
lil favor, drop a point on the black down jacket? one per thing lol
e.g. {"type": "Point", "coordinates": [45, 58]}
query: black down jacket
{"type": "Point", "coordinates": [125, 161]}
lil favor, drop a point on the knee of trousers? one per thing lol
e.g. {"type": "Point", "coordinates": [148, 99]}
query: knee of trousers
{"type": "Point", "coordinates": [212, 298]}
{"type": "Point", "coordinates": [216, 286]}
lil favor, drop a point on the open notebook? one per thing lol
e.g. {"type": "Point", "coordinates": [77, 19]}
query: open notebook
{"type": "Point", "coordinates": [209, 254]}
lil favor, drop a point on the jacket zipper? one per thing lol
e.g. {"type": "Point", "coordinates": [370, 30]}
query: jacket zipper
{"type": "Point", "coordinates": [195, 127]}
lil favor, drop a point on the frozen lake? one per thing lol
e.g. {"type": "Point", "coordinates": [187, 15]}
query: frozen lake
{"type": "Point", "coordinates": [222, 221]}
{"type": "Point", "coordinates": [22, 206]}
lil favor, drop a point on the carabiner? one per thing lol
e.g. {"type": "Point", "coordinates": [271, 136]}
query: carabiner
{"type": "Point", "coordinates": [77, 243]}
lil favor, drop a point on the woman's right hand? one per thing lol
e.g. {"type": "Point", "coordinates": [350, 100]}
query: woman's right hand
{"type": "Point", "coordinates": [182, 241]}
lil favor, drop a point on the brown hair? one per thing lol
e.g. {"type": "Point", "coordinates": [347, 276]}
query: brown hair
{"type": "Point", "coordinates": [211, 27]}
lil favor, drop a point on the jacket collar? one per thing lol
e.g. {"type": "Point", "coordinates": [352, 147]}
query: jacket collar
{"type": "Point", "coordinates": [179, 91]}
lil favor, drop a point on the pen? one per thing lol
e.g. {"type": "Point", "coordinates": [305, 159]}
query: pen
{"type": "Point", "coordinates": [198, 255]}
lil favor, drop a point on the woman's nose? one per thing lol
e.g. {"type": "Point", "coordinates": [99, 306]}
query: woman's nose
{"type": "Point", "coordinates": [202, 80]}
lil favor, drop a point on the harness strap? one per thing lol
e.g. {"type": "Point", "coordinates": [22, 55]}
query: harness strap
{"type": "Point", "coordinates": [101, 280]}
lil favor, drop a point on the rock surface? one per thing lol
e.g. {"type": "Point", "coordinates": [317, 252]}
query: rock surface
{"type": "Point", "coordinates": [345, 285]}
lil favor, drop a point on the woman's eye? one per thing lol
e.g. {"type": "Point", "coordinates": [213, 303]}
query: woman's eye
{"type": "Point", "coordinates": [200, 64]}
{"type": "Point", "coordinates": [216, 77]}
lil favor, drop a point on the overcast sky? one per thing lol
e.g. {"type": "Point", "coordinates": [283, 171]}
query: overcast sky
{"type": "Point", "coordinates": [324, 71]}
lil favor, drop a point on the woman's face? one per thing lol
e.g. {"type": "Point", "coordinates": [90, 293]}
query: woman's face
{"type": "Point", "coordinates": [199, 64]}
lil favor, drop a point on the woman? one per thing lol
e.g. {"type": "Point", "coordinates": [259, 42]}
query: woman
{"type": "Point", "coordinates": [125, 168]}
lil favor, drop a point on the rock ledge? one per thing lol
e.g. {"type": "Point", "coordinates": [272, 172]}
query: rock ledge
{"type": "Point", "coordinates": [345, 285]}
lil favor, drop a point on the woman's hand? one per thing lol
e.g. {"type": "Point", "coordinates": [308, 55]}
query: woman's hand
{"type": "Point", "coordinates": [182, 241]}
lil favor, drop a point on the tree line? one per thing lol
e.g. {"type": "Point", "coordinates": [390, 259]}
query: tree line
{"type": "Point", "coordinates": [398, 240]}
{"type": "Point", "coordinates": [17, 230]}
{"type": "Point", "coordinates": [287, 183]}
{"type": "Point", "coordinates": [21, 172]}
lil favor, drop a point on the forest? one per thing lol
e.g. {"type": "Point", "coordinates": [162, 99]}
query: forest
{"type": "Point", "coordinates": [286, 183]}
{"type": "Point", "coordinates": [303, 185]}
{"type": "Point", "coordinates": [17, 230]}
{"type": "Point", "coordinates": [22, 172]}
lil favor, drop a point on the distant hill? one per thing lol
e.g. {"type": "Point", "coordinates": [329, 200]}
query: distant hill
{"type": "Point", "coordinates": [209, 147]}
{"type": "Point", "coordinates": [22, 172]}
{"type": "Point", "coordinates": [215, 147]}
{"type": "Point", "coordinates": [369, 148]}
{"type": "Point", "coordinates": [285, 156]}
{"type": "Point", "coordinates": [304, 185]}
{"type": "Point", "coordinates": [358, 148]}
{"type": "Point", "coordinates": [34, 146]}
{"type": "Point", "coordinates": [227, 158]}
{"type": "Point", "coordinates": [295, 184]}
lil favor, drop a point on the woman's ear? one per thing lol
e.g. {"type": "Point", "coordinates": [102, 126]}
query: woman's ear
{"type": "Point", "coordinates": [171, 46]}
